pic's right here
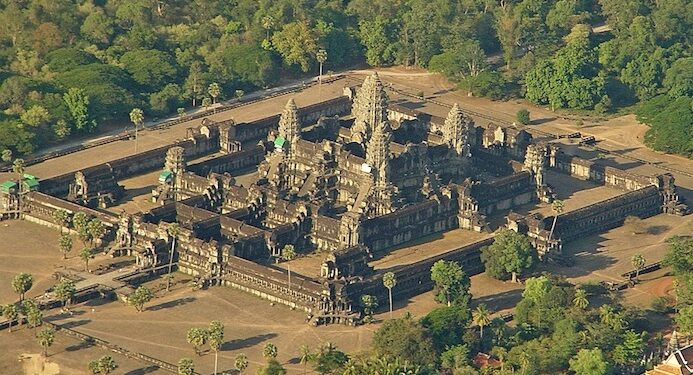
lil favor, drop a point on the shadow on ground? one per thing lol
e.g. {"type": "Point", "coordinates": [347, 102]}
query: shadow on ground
{"type": "Point", "coordinates": [174, 303]}
{"type": "Point", "coordinates": [247, 342]}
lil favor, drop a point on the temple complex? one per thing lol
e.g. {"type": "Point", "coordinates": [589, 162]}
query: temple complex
{"type": "Point", "coordinates": [349, 178]}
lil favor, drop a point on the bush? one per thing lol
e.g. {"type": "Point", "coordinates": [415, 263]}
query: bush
{"type": "Point", "coordinates": [661, 305]}
{"type": "Point", "coordinates": [523, 116]}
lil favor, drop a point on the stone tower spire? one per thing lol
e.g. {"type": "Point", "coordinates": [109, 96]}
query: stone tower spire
{"type": "Point", "coordinates": [369, 109]}
{"type": "Point", "coordinates": [289, 125]}
{"type": "Point", "coordinates": [378, 152]}
{"type": "Point", "coordinates": [457, 131]}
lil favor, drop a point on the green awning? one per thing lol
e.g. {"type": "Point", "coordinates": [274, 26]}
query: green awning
{"type": "Point", "coordinates": [29, 177]}
{"type": "Point", "coordinates": [279, 142]}
{"type": "Point", "coordinates": [165, 176]}
{"type": "Point", "coordinates": [31, 184]}
{"type": "Point", "coordinates": [7, 186]}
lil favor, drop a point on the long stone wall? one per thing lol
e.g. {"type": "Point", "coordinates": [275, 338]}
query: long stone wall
{"type": "Point", "coordinates": [601, 174]}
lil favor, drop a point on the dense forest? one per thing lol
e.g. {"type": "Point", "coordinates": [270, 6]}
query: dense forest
{"type": "Point", "coordinates": [70, 65]}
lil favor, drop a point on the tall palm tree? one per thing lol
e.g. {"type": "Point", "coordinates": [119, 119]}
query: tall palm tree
{"type": "Point", "coordinates": [62, 218]}
{"type": "Point", "coordinates": [321, 56]}
{"type": "Point", "coordinates": [389, 281]}
{"type": "Point", "coordinates": [580, 300]}
{"type": "Point", "coordinates": [46, 338]}
{"type": "Point", "coordinates": [638, 261]}
{"type": "Point", "coordinates": [137, 118]}
{"type": "Point", "coordinates": [289, 253]}
{"type": "Point", "coordinates": [65, 243]}
{"type": "Point", "coordinates": [173, 231]}
{"type": "Point", "coordinates": [482, 317]}
{"type": "Point", "coordinates": [214, 91]}
{"type": "Point", "coordinates": [269, 351]}
{"type": "Point", "coordinates": [557, 208]}
{"type": "Point", "coordinates": [267, 24]}
{"type": "Point", "coordinates": [305, 356]}
{"type": "Point", "coordinates": [19, 168]}
{"type": "Point", "coordinates": [216, 339]}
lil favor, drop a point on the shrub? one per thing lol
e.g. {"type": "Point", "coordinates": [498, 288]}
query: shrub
{"type": "Point", "coordinates": [523, 116]}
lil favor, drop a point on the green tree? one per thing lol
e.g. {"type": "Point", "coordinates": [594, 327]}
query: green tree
{"type": "Point", "coordinates": [580, 300]}
{"type": "Point", "coordinates": [33, 314]}
{"type": "Point", "coordinates": [77, 102]}
{"type": "Point", "coordinates": [684, 320]}
{"type": "Point", "coordinates": [214, 90]}
{"type": "Point", "coordinates": [369, 304]}
{"type": "Point", "coordinates": [173, 231]}
{"type": "Point", "coordinates": [511, 253]}
{"type": "Point", "coordinates": [297, 44]}
{"type": "Point", "coordinates": [96, 230]}
{"type": "Point", "coordinates": [7, 155]}
{"type": "Point", "coordinates": [272, 368]}
{"type": "Point", "coordinates": [46, 338]}
{"type": "Point", "coordinates": [80, 220]}
{"type": "Point", "coordinates": [186, 367]}
{"type": "Point", "coordinates": [62, 218]}
{"type": "Point", "coordinates": [150, 68]}
{"type": "Point", "coordinates": [140, 297]}
{"type": "Point", "coordinates": [288, 254]}
{"type": "Point", "coordinates": [455, 358]}
{"type": "Point", "coordinates": [638, 262]}
{"type": "Point", "coordinates": [241, 363]}
{"type": "Point", "coordinates": [447, 325]}
{"type": "Point", "coordinates": [215, 339]}
{"type": "Point", "coordinates": [197, 337]}
{"type": "Point", "coordinates": [523, 116]}
{"type": "Point", "coordinates": [328, 360]}
{"type": "Point", "coordinates": [629, 352]}
{"type": "Point", "coordinates": [64, 290]}
{"type": "Point", "coordinates": [137, 118]}
{"type": "Point", "coordinates": [36, 116]}
{"type": "Point", "coordinates": [482, 317]}
{"type": "Point", "coordinates": [98, 28]}
{"type": "Point", "coordinates": [86, 254]}
{"type": "Point", "coordinates": [305, 356]}
{"type": "Point", "coordinates": [389, 281]}
{"type": "Point", "coordinates": [451, 281]}
{"type": "Point", "coordinates": [11, 313]}
{"type": "Point", "coordinates": [404, 338]}
{"type": "Point", "coordinates": [678, 80]}
{"type": "Point", "coordinates": [269, 351]}
{"type": "Point", "coordinates": [590, 362]}
{"type": "Point", "coordinates": [680, 254]}
{"type": "Point", "coordinates": [106, 364]}
{"type": "Point", "coordinates": [195, 82]}
{"type": "Point", "coordinates": [21, 284]}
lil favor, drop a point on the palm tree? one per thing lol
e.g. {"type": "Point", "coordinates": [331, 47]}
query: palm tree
{"type": "Point", "coordinates": [241, 362]}
{"type": "Point", "coordinates": [289, 253]}
{"type": "Point", "coordinates": [214, 91]}
{"type": "Point", "coordinates": [580, 300]}
{"type": "Point", "coordinates": [21, 284]}
{"type": "Point", "coordinates": [270, 351]}
{"type": "Point", "coordinates": [305, 356]}
{"type": "Point", "coordinates": [64, 290]}
{"type": "Point", "coordinates": [321, 56]}
{"type": "Point", "coordinates": [482, 317]}
{"type": "Point", "coordinates": [65, 244]}
{"type": "Point", "coordinates": [267, 24]}
{"type": "Point", "coordinates": [11, 313]}
{"type": "Point", "coordinates": [18, 168]}
{"type": "Point", "coordinates": [197, 337]}
{"type": "Point", "coordinates": [216, 339]}
{"type": "Point", "coordinates": [206, 102]}
{"type": "Point", "coordinates": [186, 367]}
{"type": "Point", "coordinates": [557, 208]}
{"type": "Point", "coordinates": [96, 230]}
{"type": "Point", "coordinates": [137, 118]}
{"type": "Point", "coordinates": [46, 338]}
{"type": "Point", "coordinates": [62, 218]}
{"type": "Point", "coordinates": [173, 231]}
{"type": "Point", "coordinates": [389, 281]}
{"type": "Point", "coordinates": [6, 155]}
{"type": "Point", "coordinates": [638, 261]}
{"type": "Point", "coordinates": [86, 254]}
